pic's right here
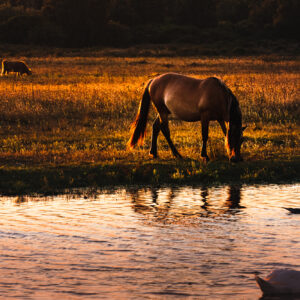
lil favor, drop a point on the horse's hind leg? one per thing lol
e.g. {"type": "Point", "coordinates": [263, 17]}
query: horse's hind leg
{"type": "Point", "coordinates": [166, 131]}
{"type": "Point", "coordinates": [155, 131]}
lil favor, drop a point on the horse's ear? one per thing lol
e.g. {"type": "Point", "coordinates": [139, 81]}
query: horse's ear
{"type": "Point", "coordinates": [243, 128]}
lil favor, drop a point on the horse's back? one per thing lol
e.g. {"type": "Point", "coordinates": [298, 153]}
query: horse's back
{"type": "Point", "coordinates": [188, 98]}
{"type": "Point", "coordinates": [8, 65]}
{"type": "Point", "coordinates": [214, 100]}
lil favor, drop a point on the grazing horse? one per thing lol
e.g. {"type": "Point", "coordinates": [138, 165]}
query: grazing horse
{"type": "Point", "coordinates": [189, 99]}
{"type": "Point", "coordinates": [15, 66]}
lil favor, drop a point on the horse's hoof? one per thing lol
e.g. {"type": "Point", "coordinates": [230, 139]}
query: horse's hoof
{"type": "Point", "coordinates": [205, 159]}
{"type": "Point", "coordinates": [177, 155]}
{"type": "Point", "coordinates": [153, 156]}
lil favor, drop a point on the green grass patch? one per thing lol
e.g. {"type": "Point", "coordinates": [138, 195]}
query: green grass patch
{"type": "Point", "coordinates": [52, 180]}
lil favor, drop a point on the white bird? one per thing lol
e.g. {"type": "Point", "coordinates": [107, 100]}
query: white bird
{"type": "Point", "coordinates": [281, 281]}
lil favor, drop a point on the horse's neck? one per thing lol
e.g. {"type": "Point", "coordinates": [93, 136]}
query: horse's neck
{"type": "Point", "coordinates": [235, 117]}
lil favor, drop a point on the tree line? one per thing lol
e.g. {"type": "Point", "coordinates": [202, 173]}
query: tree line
{"type": "Point", "coordinates": [77, 23]}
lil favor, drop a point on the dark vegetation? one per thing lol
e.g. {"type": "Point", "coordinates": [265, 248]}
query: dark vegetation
{"type": "Point", "coordinates": [52, 180]}
{"type": "Point", "coordinates": [121, 23]}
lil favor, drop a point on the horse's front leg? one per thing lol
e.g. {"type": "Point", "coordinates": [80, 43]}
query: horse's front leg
{"type": "Point", "coordinates": [204, 124]}
{"type": "Point", "coordinates": [223, 126]}
{"type": "Point", "coordinates": [155, 132]}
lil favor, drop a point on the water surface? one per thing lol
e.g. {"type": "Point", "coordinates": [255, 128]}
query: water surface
{"type": "Point", "coordinates": [147, 243]}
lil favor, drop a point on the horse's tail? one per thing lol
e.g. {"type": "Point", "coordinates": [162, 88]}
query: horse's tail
{"type": "Point", "coordinates": [138, 127]}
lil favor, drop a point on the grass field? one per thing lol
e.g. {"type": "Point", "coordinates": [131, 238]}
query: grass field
{"type": "Point", "coordinates": [67, 125]}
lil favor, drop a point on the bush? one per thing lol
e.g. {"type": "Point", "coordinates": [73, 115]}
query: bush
{"type": "Point", "coordinates": [116, 35]}
{"type": "Point", "coordinates": [174, 33]}
{"type": "Point", "coordinates": [16, 29]}
{"type": "Point", "coordinates": [7, 11]}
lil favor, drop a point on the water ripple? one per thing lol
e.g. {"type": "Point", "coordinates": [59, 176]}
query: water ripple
{"type": "Point", "coordinates": [141, 243]}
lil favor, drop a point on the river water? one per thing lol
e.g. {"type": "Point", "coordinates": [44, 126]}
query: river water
{"type": "Point", "coordinates": [147, 243]}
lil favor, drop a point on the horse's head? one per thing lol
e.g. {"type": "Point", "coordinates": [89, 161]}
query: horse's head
{"type": "Point", "coordinates": [234, 140]}
{"type": "Point", "coordinates": [28, 71]}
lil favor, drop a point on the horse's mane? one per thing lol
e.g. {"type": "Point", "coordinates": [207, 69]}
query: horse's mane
{"type": "Point", "coordinates": [235, 116]}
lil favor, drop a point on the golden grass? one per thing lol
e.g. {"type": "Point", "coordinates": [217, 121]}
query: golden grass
{"type": "Point", "coordinates": [78, 109]}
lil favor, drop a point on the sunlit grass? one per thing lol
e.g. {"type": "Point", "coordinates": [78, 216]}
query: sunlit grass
{"type": "Point", "coordinates": [77, 110]}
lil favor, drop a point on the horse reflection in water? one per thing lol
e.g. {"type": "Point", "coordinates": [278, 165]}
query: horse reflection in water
{"type": "Point", "coordinates": [150, 205]}
{"type": "Point", "coordinates": [167, 205]}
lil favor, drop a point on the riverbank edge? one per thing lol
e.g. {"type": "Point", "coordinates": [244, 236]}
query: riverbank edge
{"type": "Point", "coordinates": [47, 180]}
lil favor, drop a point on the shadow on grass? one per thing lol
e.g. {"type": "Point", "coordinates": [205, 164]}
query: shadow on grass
{"type": "Point", "coordinates": [52, 180]}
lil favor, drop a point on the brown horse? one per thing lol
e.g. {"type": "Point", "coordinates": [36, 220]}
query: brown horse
{"type": "Point", "coordinates": [18, 67]}
{"type": "Point", "coordinates": [190, 100]}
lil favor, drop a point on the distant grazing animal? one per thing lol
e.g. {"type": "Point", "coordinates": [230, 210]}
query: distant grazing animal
{"type": "Point", "coordinates": [279, 282]}
{"type": "Point", "coordinates": [18, 67]}
{"type": "Point", "coordinates": [190, 99]}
